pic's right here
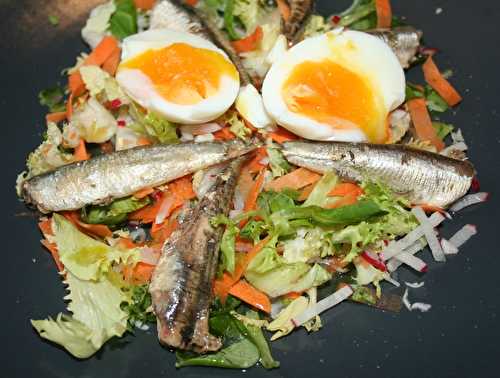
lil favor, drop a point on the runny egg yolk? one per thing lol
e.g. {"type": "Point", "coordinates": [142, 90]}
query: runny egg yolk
{"type": "Point", "coordinates": [183, 74]}
{"type": "Point", "coordinates": [336, 96]}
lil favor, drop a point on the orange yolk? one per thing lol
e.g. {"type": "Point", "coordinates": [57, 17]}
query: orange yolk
{"type": "Point", "coordinates": [333, 95]}
{"type": "Point", "coordinates": [183, 74]}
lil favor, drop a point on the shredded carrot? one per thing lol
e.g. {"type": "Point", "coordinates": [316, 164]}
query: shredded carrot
{"type": "Point", "coordinates": [143, 141]}
{"type": "Point", "coordinates": [111, 64]}
{"type": "Point", "coordinates": [437, 81]}
{"type": "Point", "coordinates": [54, 252]}
{"type": "Point", "coordinates": [422, 122]}
{"type": "Point", "coordinates": [56, 117]}
{"type": "Point", "coordinates": [432, 209]}
{"type": "Point", "coordinates": [253, 194]}
{"type": "Point", "coordinates": [249, 43]}
{"type": "Point", "coordinates": [282, 135]}
{"type": "Point", "coordinates": [97, 57]}
{"type": "Point", "coordinates": [304, 194]}
{"type": "Point", "coordinates": [348, 199]}
{"type": "Point", "coordinates": [183, 188]}
{"type": "Point", "coordinates": [69, 107]}
{"type": "Point", "coordinates": [191, 2]}
{"type": "Point", "coordinates": [292, 295]}
{"type": "Point", "coordinates": [143, 193]}
{"type": "Point", "coordinates": [147, 4]}
{"type": "Point", "coordinates": [297, 179]}
{"type": "Point", "coordinates": [249, 294]}
{"type": "Point", "coordinates": [139, 274]}
{"type": "Point", "coordinates": [80, 153]}
{"type": "Point", "coordinates": [255, 165]}
{"type": "Point", "coordinates": [223, 285]}
{"type": "Point", "coordinates": [346, 188]}
{"type": "Point", "coordinates": [245, 181]}
{"type": "Point", "coordinates": [384, 13]}
{"type": "Point", "coordinates": [224, 134]}
{"type": "Point", "coordinates": [100, 230]}
{"type": "Point", "coordinates": [163, 233]}
{"type": "Point", "coordinates": [126, 243]}
{"type": "Point", "coordinates": [284, 9]}
{"type": "Point", "coordinates": [46, 227]}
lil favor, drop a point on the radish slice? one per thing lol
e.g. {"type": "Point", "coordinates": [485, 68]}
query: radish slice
{"type": "Point", "coordinates": [323, 305]}
{"type": "Point", "coordinates": [413, 261]}
{"type": "Point", "coordinates": [164, 210]}
{"type": "Point", "coordinates": [374, 261]}
{"type": "Point", "coordinates": [394, 263]}
{"type": "Point", "coordinates": [469, 200]}
{"type": "Point", "coordinates": [391, 280]}
{"type": "Point", "coordinates": [415, 285]}
{"type": "Point", "coordinates": [448, 248]}
{"type": "Point", "coordinates": [464, 234]}
{"type": "Point", "coordinates": [205, 128]}
{"type": "Point", "coordinates": [396, 247]}
{"type": "Point", "coordinates": [428, 228]}
{"type": "Point", "coordinates": [406, 302]}
{"type": "Point", "coordinates": [456, 136]}
{"type": "Point", "coordinates": [423, 307]}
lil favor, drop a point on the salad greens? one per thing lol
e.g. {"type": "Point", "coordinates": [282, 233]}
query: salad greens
{"type": "Point", "coordinates": [53, 98]}
{"type": "Point", "coordinates": [138, 307]}
{"type": "Point", "coordinates": [114, 213]}
{"type": "Point", "coordinates": [123, 21]}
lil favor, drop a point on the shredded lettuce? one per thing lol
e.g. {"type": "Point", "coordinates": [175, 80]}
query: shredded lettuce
{"type": "Point", "coordinates": [114, 213]}
{"type": "Point", "coordinates": [316, 25]}
{"type": "Point", "coordinates": [283, 324]}
{"type": "Point", "coordinates": [94, 122]}
{"type": "Point", "coordinates": [237, 126]}
{"type": "Point", "coordinates": [310, 243]}
{"type": "Point", "coordinates": [85, 257]}
{"type": "Point", "coordinates": [99, 82]}
{"type": "Point", "coordinates": [97, 24]}
{"type": "Point", "coordinates": [153, 125]}
{"type": "Point", "coordinates": [319, 195]}
{"type": "Point", "coordinates": [248, 12]}
{"type": "Point", "coordinates": [227, 246]}
{"type": "Point", "coordinates": [48, 155]}
{"type": "Point", "coordinates": [442, 129]}
{"type": "Point", "coordinates": [279, 165]}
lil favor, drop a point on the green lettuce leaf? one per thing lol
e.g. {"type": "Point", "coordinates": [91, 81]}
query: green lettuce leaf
{"type": "Point", "coordinates": [319, 195]}
{"type": "Point", "coordinates": [253, 230]}
{"type": "Point", "coordinates": [53, 98]}
{"type": "Point", "coordinates": [248, 12]}
{"type": "Point", "coordinates": [98, 82]}
{"type": "Point", "coordinates": [257, 337]}
{"type": "Point", "coordinates": [153, 126]}
{"type": "Point", "coordinates": [237, 126]}
{"type": "Point", "coordinates": [361, 15]}
{"type": "Point", "coordinates": [96, 318]}
{"type": "Point", "coordinates": [123, 21]}
{"type": "Point", "coordinates": [114, 213]}
{"type": "Point", "coordinates": [316, 25]}
{"type": "Point", "coordinates": [227, 246]}
{"type": "Point", "coordinates": [442, 129]}
{"type": "Point", "coordinates": [84, 257]}
{"type": "Point", "coordinates": [309, 244]}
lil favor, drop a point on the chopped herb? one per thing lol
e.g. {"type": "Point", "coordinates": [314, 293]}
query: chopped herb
{"type": "Point", "coordinates": [139, 308]}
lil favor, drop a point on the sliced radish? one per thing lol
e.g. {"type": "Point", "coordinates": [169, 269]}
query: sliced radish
{"type": "Point", "coordinates": [165, 208]}
{"type": "Point", "coordinates": [205, 128]}
{"type": "Point", "coordinates": [412, 261]}
{"type": "Point", "coordinates": [394, 263]}
{"type": "Point", "coordinates": [464, 234]}
{"type": "Point", "coordinates": [415, 285]}
{"type": "Point", "coordinates": [406, 301]}
{"type": "Point", "coordinates": [469, 200]}
{"type": "Point", "coordinates": [428, 228]}
{"type": "Point", "coordinates": [396, 247]}
{"type": "Point", "coordinates": [423, 307]}
{"type": "Point", "coordinates": [373, 260]}
{"type": "Point", "coordinates": [323, 305]}
{"type": "Point", "coordinates": [448, 248]}
{"type": "Point", "coordinates": [391, 280]}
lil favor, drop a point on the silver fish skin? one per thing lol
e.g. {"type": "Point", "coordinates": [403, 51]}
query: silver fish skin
{"type": "Point", "coordinates": [425, 178]}
{"type": "Point", "coordinates": [178, 16]}
{"type": "Point", "coordinates": [300, 10]}
{"type": "Point", "coordinates": [122, 173]}
{"type": "Point", "coordinates": [404, 41]}
{"type": "Point", "coordinates": [181, 286]}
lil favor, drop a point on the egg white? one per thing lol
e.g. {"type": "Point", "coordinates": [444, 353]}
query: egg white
{"type": "Point", "coordinates": [142, 90]}
{"type": "Point", "coordinates": [359, 52]}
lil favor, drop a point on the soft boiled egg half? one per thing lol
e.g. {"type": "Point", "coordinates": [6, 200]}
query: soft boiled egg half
{"type": "Point", "coordinates": [338, 86]}
{"type": "Point", "coordinates": [184, 77]}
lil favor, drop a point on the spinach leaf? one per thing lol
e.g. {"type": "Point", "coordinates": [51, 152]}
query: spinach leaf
{"type": "Point", "coordinates": [123, 21]}
{"type": "Point", "coordinates": [257, 337]}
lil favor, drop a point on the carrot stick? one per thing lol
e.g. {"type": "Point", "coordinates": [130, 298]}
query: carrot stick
{"type": "Point", "coordinates": [183, 188]}
{"type": "Point", "coordinates": [384, 13]}
{"type": "Point", "coordinates": [296, 179]}
{"type": "Point", "coordinates": [348, 199]}
{"type": "Point", "coordinates": [346, 189]}
{"type": "Point", "coordinates": [147, 4]}
{"type": "Point", "coordinates": [111, 64]}
{"type": "Point", "coordinates": [248, 294]}
{"type": "Point", "coordinates": [442, 86]}
{"type": "Point", "coordinates": [75, 84]}
{"type": "Point", "coordinates": [56, 117]}
{"type": "Point", "coordinates": [139, 274]}
{"type": "Point", "coordinates": [422, 122]}
{"type": "Point", "coordinates": [80, 153]}
{"type": "Point", "coordinates": [253, 194]}
{"type": "Point", "coordinates": [304, 194]}
{"type": "Point", "coordinates": [282, 135]}
{"type": "Point", "coordinates": [143, 193]}
{"type": "Point", "coordinates": [223, 285]}
{"type": "Point", "coordinates": [69, 107]}
{"type": "Point", "coordinates": [224, 134]}
{"type": "Point", "coordinates": [292, 295]}
{"type": "Point", "coordinates": [54, 252]}
{"type": "Point", "coordinates": [255, 165]}
{"type": "Point", "coordinates": [250, 42]}
{"type": "Point", "coordinates": [99, 230]}
{"type": "Point", "coordinates": [46, 227]}
{"type": "Point", "coordinates": [284, 9]}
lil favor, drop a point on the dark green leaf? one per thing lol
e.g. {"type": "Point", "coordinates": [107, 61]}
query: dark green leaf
{"type": "Point", "coordinates": [123, 21]}
{"type": "Point", "coordinates": [139, 307]}
{"type": "Point", "coordinates": [114, 213]}
{"type": "Point", "coordinates": [361, 15]}
{"type": "Point", "coordinates": [53, 98]}
{"type": "Point", "coordinates": [365, 295]}
{"type": "Point", "coordinates": [257, 337]}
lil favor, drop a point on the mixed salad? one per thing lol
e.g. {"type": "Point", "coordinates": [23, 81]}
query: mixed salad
{"type": "Point", "coordinates": [300, 234]}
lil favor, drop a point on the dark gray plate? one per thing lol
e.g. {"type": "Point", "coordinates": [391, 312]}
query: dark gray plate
{"type": "Point", "coordinates": [458, 337]}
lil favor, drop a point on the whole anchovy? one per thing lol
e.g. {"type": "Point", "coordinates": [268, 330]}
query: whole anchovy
{"type": "Point", "coordinates": [404, 41]}
{"type": "Point", "coordinates": [300, 10]}
{"type": "Point", "coordinates": [175, 15]}
{"type": "Point", "coordinates": [181, 286]}
{"type": "Point", "coordinates": [423, 177]}
{"type": "Point", "coordinates": [122, 173]}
